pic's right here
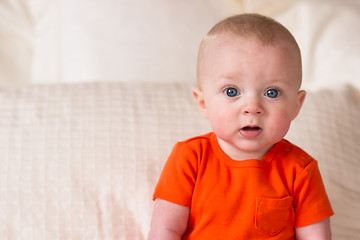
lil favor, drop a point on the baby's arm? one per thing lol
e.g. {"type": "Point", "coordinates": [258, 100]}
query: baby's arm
{"type": "Point", "coordinates": [316, 231]}
{"type": "Point", "coordinates": [169, 221]}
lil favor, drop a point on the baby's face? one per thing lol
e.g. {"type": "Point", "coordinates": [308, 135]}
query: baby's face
{"type": "Point", "coordinates": [250, 93]}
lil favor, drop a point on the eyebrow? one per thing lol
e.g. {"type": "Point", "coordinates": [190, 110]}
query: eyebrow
{"type": "Point", "coordinates": [226, 79]}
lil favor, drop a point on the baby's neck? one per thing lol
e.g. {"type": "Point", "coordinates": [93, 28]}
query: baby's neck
{"type": "Point", "coordinates": [241, 155]}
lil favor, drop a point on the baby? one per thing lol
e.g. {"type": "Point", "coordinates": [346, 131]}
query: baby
{"type": "Point", "coordinates": [243, 180]}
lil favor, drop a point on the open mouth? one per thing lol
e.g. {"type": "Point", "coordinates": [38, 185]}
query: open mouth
{"type": "Point", "coordinates": [250, 132]}
{"type": "Point", "coordinates": [248, 128]}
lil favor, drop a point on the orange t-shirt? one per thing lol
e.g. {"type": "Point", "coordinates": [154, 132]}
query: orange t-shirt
{"type": "Point", "coordinates": [249, 199]}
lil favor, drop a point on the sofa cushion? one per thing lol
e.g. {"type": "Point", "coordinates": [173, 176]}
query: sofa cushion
{"type": "Point", "coordinates": [72, 41]}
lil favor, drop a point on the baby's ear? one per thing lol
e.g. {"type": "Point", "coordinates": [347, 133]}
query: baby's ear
{"type": "Point", "coordinates": [300, 100]}
{"type": "Point", "coordinates": [199, 98]}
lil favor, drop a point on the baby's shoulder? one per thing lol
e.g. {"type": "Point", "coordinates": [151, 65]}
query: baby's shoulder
{"type": "Point", "coordinates": [204, 139]}
{"type": "Point", "coordinates": [194, 146]}
{"type": "Point", "coordinates": [296, 155]}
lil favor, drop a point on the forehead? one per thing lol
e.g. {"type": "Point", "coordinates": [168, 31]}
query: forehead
{"type": "Point", "coordinates": [224, 53]}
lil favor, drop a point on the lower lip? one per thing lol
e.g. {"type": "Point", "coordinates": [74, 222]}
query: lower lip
{"type": "Point", "coordinates": [250, 134]}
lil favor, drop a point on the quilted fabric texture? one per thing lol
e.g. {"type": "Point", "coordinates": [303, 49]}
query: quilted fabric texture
{"type": "Point", "coordinates": [81, 161]}
{"type": "Point", "coordinates": [327, 128]}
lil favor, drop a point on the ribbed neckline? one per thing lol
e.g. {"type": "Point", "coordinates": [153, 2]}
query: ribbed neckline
{"type": "Point", "coordinates": [280, 146]}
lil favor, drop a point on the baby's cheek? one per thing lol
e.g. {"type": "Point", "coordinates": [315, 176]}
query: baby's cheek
{"type": "Point", "coordinates": [281, 124]}
{"type": "Point", "coordinates": [219, 123]}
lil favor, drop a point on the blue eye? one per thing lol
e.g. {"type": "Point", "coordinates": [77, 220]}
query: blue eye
{"type": "Point", "coordinates": [231, 92]}
{"type": "Point", "coordinates": [272, 93]}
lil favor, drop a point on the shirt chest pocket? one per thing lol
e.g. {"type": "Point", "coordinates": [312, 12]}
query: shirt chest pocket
{"type": "Point", "coordinates": [273, 215]}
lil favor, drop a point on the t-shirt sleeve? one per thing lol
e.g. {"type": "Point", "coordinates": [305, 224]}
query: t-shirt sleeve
{"type": "Point", "coordinates": [177, 180]}
{"type": "Point", "coordinates": [311, 201]}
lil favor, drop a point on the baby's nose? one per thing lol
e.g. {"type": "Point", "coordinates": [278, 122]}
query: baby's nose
{"type": "Point", "coordinates": [252, 106]}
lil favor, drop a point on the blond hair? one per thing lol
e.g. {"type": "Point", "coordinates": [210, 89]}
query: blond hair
{"type": "Point", "coordinates": [265, 30]}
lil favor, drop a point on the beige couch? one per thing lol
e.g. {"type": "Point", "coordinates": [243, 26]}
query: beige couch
{"type": "Point", "coordinates": [81, 161]}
